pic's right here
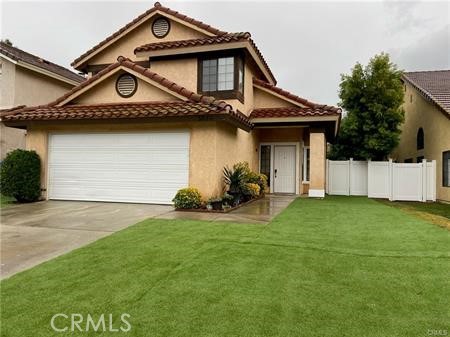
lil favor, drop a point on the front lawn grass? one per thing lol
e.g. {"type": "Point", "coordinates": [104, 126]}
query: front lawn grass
{"type": "Point", "coordinates": [342, 266]}
{"type": "Point", "coordinates": [435, 212]}
{"type": "Point", "coordinates": [4, 200]}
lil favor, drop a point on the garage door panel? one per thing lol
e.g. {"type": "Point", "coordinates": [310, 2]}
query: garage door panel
{"type": "Point", "coordinates": [124, 167]}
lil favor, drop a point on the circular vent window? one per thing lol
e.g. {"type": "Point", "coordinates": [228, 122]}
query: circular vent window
{"type": "Point", "coordinates": [160, 27]}
{"type": "Point", "coordinates": [126, 85]}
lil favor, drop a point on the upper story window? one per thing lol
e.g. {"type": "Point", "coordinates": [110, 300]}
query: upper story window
{"type": "Point", "coordinates": [420, 139]}
{"type": "Point", "coordinates": [222, 77]}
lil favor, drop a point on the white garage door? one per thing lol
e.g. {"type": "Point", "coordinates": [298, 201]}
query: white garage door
{"type": "Point", "coordinates": [121, 167]}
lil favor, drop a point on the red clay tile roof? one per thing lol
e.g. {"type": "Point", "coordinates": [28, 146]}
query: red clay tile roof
{"type": "Point", "coordinates": [226, 38]}
{"type": "Point", "coordinates": [123, 110]}
{"type": "Point", "coordinates": [212, 40]}
{"type": "Point", "coordinates": [433, 85]}
{"type": "Point", "coordinates": [12, 109]}
{"type": "Point", "coordinates": [214, 105]}
{"type": "Point", "coordinates": [295, 98]}
{"type": "Point", "coordinates": [291, 112]}
{"type": "Point", "coordinates": [17, 54]}
{"type": "Point", "coordinates": [157, 7]}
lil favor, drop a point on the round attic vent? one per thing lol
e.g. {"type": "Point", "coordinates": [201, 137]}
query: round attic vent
{"type": "Point", "coordinates": [160, 27]}
{"type": "Point", "coordinates": [126, 85]}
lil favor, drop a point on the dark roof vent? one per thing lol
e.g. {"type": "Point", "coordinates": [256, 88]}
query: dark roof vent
{"type": "Point", "coordinates": [160, 27]}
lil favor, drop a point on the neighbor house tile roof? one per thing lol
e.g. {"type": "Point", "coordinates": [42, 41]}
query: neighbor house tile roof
{"type": "Point", "coordinates": [291, 112]}
{"type": "Point", "coordinates": [433, 85]}
{"type": "Point", "coordinates": [212, 40]}
{"type": "Point", "coordinates": [295, 98]}
{"type": "Point", "coordinates": [197, 104]}
{"type": "Point", "coordinates": [17, 54]}
{"type": "Point", "coordinates": [157, 7]}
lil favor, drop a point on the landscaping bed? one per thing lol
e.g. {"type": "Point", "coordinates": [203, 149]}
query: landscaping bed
{"type": "Point", "coordinates": [223, 210]}
{"type": "Point", "coordinates": [241, 186]}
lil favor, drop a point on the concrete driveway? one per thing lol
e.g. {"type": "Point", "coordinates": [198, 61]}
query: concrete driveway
{"type": "Point", "coordinates": [34, 233]}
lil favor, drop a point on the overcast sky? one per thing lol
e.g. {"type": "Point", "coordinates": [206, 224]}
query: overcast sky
{"type": "Point", "coordinates": [306, 44]}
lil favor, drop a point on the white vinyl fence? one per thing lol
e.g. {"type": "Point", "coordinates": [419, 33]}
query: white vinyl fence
{"type": "Point", "coordinates": [382, 179]}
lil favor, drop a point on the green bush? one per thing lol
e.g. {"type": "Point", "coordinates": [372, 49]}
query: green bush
{"type": "Point", "coordinates": [252, 190]}
{"type": "Point", "coordinates": [20, 176]}
{"type": "Point", "coordinates": [187, 198]}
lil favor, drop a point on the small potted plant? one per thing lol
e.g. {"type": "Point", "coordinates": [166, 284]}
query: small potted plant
{"type": "Point", "coordinates": [216, 203]}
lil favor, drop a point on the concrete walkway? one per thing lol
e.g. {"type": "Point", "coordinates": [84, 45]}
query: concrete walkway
{"type": "Point", "coordinates": [34, 233]}
{"type": "Point", "coordinates": [258, 212]}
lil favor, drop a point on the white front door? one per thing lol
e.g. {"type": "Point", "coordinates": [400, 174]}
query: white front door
{"type": "Point", "coordinates": [284, 169]}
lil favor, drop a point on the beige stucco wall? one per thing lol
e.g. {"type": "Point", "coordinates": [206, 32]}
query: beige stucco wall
{"type": "Point", "coordinates": [105, 92]}
{"type": "Point", "coordinates": [212, 146]}
{"type": "Point", "coordinates": [139, 36]}
{"type": "Point", "coordinates": [32, 88]}
{"type": "Point", "coordinates": [263, 99]}
{"type": "Point", "coordinates": [7, 82]}
{"type": "Point", "coordinates": [183, 71]}
{"type": "Point", "coordinates": [420, 113]}
{"type": "Point", "coordinates": [20, 86]}
{"type": "Point", "coordinates": [317, 144]}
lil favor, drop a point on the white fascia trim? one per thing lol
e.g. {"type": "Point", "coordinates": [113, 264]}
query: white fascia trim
{"type": "Point", "coordinates": [315, 193]}
{"type": "Point", "coordinates": [47, 73]}
{"type": "Point", "coordinates": [8, 59]}
{"type": "Point", "coordinates": [296, 119]}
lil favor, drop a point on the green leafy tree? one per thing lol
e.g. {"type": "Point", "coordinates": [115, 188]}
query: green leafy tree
{"type": "Point", "coordinates": [372, 96]}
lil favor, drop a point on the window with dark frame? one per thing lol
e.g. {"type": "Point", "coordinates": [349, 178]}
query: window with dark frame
{"type": "Point", "coordinates": [446, 168]}
{"type": "Point", "coordinates": [420, 139]}
{"type": "Point", "coordinates": [222, 77]}
{"type": "Point", "coordinates": [265, 161]}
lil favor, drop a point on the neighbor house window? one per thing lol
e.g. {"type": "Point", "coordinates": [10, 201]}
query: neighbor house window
{"type": "Point", "coordinates": [265, 161]}
{"type": "Point", "coordinates": [420, 139]}
{"type": "Point", "coordinates": [446, 169]}
{"type": "Point", "coordinates": [222, 77]}
{"type": "Point", "coordinates": [306, 155]}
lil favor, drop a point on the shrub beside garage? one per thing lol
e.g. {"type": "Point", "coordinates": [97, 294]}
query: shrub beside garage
{"type": "Point", "coordinates": [20, 175]}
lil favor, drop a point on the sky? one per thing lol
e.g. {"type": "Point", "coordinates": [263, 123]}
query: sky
{"type": "Point", "coordinates": [308, 45]}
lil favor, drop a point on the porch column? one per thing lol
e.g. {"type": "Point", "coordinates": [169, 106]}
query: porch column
{"type": "Point", "coordinates": [317, 148]}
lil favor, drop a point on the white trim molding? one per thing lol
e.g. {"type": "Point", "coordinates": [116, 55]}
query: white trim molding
{"type": "Point", "coordinates": [315, 193]}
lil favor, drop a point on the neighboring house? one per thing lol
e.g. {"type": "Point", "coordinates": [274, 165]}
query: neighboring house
{"type": "Point", "coordinates": [26, 79]}
{"type": "Point", "coordinates": [426, 130]}
{"type": "Point", "coordinates": [169, 102]}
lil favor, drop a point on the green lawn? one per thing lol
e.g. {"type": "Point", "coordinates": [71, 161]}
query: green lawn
{"type": "Point", "coordinates": [4, 200]}
{"type": "Point", "coordinates": [343, 266]}
{"type": "Point", "coordinates": [435, 208]}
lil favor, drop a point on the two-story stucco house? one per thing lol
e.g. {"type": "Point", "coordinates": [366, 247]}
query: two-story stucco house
{"type": "Point", "coordinates": [426, 130]}
{"type": "Point", "coordinates": [28, 80]}
{"type": "Point", "coordinates": [170, 101]}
